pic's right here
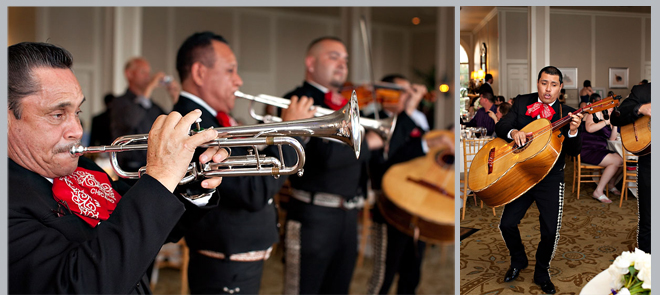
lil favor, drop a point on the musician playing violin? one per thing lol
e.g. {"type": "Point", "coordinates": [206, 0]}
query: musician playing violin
{"type": "Point", "coordinates": [549, 192]}
{"type": "Point", "coordinates": [638, 104]}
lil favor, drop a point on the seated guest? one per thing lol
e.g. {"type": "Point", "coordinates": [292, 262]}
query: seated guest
{"type": "Point", "coordinates": [585, 93]}
{"type": "Point", "coordinates": [471, 107]}
{"type": "Point", "coordinates": [595, 152]}
{"type": "Point", "coordinates": [502, 110]}
{"type": "Point", "coordinates": [72, 230]}
{"type": "Point", "coordinates": [500, 99]}
{"type": "Point", "coordinates": [481, 118]}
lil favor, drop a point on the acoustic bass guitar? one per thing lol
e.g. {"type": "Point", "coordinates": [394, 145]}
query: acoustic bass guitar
{"type": "Point", "coordinates": [501, 172]}
{"type": "Point", "coordinates": [419, 194]}
{"type": "Point", "coordinates": [636, 137]}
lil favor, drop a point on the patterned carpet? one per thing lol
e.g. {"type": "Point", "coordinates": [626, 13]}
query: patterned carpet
{"type": "Point", "coordinates": [591, 236]}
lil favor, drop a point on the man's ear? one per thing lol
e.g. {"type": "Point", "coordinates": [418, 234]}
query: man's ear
{"type": "Point", "coordinates": [198, 73]}
{"type": "Point", "coordinates": [309, 63]}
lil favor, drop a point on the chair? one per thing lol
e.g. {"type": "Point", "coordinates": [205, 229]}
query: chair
{"type": "Point", "coordinates": [586, 173]}
{"type": "Point", "coordinates": [470, 148]}
{"type": "Point", "coordinates": [174, 255]}
{"type": "Point", "coordinates": [629, 176]}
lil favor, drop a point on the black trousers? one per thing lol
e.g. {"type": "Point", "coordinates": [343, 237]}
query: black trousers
{"type": "Point", "coordinates": [208, 275]}
{"type": "Point", "coordinates": [644, 203]}
{"type": "Point", "coordinates": [395, 252]}
{"type": "Point", "coordinates": [549, 197]}
{"type": "Point", "coordinates": [321, 249]}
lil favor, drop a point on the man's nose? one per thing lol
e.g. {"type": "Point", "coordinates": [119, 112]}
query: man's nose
{"type": "Point", "coordinates": [238, 81]}
{"type": "Point", "coordinates": [74, 129]}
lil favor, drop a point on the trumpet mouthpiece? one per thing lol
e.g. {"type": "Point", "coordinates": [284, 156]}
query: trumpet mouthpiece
{"type": "Point", "coordinates": [77, 150]}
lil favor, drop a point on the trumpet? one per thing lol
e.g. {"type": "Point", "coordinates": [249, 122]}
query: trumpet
{"type": "Point", "coordinates": [342, 125]}
{"type": "Point", "coordinates": [383, 127]}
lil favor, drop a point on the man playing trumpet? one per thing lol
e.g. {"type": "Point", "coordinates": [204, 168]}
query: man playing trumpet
{"type": "Point", "coordinates": [71, 230]}
{"type": "Point", "coordinates": [229, 245]}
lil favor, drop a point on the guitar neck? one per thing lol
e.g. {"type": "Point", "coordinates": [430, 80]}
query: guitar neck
{"type": "Point", "coordinates": [556, 125]}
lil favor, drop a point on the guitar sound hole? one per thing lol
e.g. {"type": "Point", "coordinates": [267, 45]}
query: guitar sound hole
{"type": "Point", "coordinates": [444, 159]}
{"type": "Point", "coordinates": [520, 149]}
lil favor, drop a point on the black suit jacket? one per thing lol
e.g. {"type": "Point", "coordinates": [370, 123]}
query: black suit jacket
{"type": "Point", "coordinates": [101, 134]}
{"type": "Point", "coordinates": [246, 219]}
{"type": "Point", "coordinates": [405, 145]}
{"type": "Point", "coordinates": [639, 95]}
{"type": "Point", "coordinates": [129, 117]}
{"type": "Point", "coordinates": [50, 254]}
{"type": "Point", "coordinates": [486, 88]}
{"type": "Point", "coordinates": [517, 119]}
{"type": "Point", "coordinates": [330, 167]}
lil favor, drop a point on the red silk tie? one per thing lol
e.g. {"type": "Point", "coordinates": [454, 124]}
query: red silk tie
{"type": "Point", "coordinates": [539, 108]}
{"type": "Point", "coordinates": [88, 194]}
{"type": "Point", "coordinates": [225, 120]}
{"type": "Point", "coordinates": [334, 100]}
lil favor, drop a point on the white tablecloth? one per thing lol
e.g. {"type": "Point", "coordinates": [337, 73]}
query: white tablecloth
{"type": "Point", "coordinates": [600, 284]}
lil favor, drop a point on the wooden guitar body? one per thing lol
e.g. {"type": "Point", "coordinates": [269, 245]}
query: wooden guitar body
{"type": "Point", "coordinates": [636, 137]}
{"type": "Point", "coordinates": [419, 197]}
{"type": "Point", "coordinates": [501, 172]}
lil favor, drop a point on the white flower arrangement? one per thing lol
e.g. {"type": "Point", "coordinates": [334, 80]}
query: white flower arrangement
{"type": "Point", "coordinates": [631, 273]}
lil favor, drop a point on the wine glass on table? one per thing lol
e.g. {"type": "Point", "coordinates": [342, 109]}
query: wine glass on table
{"type": "Point", "coordinates": [477, 132]}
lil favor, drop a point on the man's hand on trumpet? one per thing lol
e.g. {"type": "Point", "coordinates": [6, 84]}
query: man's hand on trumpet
{"type": "Point", "coordinates": [171, 148]}
{"type": "Point", "coordinates": [299, 109]}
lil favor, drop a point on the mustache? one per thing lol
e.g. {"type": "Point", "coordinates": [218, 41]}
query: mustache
{"type": "Point", "coordinates": [65, 148]}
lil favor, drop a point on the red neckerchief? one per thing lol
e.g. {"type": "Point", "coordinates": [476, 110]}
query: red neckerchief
{"type": "Point", "coordinates": [88, 194]}
{"type": "Point", "coordinates": [335, 103]}
{"type": "Point", "coordinates": [225, 120]}
{"type": "Point", "coordinates": [539, 108]}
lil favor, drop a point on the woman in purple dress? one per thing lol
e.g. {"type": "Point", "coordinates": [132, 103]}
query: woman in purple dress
{"type": "Point", "coordinates": [595, 152]}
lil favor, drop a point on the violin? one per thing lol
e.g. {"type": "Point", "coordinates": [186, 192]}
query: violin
{"type": "Point", "coordinates": [385, 93]}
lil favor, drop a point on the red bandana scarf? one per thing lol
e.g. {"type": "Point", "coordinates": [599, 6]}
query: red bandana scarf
{"type": "Point", "coordinates": [539, 108]}
{"type": "Point", "coordinates": [334, 100]}
{"type": "Point", "coordinates": [225, 120]}
{"type": "Point", "coordinates": [88, 194]}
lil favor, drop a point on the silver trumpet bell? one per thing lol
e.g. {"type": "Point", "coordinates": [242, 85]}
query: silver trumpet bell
{"type": "Point", "coordinates": [383, 127]}
{"type": "Point", "coordinates": [342, 125]}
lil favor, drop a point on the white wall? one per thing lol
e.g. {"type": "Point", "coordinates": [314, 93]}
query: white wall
{"type": "Point", "coordinates": [591, 41]}
{"type": "Point", "coordinates": [269, 43]}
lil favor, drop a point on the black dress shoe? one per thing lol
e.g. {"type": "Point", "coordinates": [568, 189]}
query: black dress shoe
{"type": "Point", "coordinates": [548, 287]}
{"type": "Point", "coordinates": [512, 273]}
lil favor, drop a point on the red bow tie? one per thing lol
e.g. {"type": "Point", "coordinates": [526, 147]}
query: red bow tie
{"type": "Point", "coordinates": [88, 194]}
{"type": "Point", "coordinates": [225, 120]}
{"type": "Point", "coordinates": [539, 108]}
{"type": "Point", "coordinates": [334, 100]}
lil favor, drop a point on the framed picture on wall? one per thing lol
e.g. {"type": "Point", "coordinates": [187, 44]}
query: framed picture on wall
{"type": "Point", "coordinates": [618, 77]}
{"type": "Point", "coordinates": [570, 77]}
{"type": "Point", "coordinates": [600, 91]}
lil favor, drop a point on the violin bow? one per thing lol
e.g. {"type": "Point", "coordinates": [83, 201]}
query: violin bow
{"type": "Point", "coordinates": [367, 53]}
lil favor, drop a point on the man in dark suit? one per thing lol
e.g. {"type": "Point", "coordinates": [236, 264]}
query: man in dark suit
{"type": "Point", "coordinates": [229, 245]}
{"type": "Point", "coordinates": [394, 251]}
{"type": "Point", "coordinates": [549, 192]}
{"type": "Point", "coordinates": [100, 134]}
{"type": "Point", "coordinates": [72, 230]}
{"type": "Point", "coordinates": [321, 229]}
{"type": "Point", "coordinates": [487, 86]}
{"type": "Point", "coordinates": [134, 110]}
{"type": "Point", "coordinates": [638, 104]}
